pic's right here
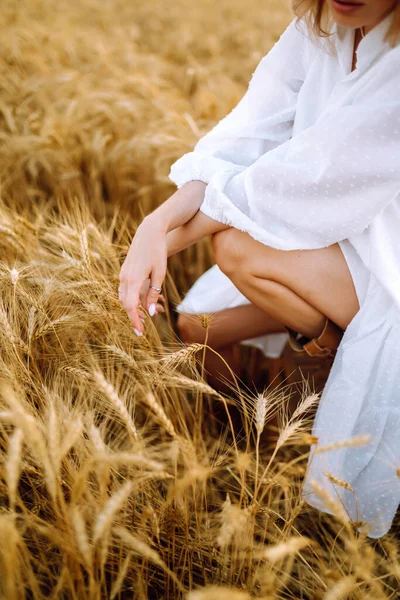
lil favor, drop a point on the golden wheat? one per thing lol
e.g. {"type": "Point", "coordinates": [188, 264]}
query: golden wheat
{"type": "Point", "coordinates": [111, 484]}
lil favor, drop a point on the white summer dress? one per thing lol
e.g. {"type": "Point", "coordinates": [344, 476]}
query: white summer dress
{"type": "Point", "coordinates": [310, 157]}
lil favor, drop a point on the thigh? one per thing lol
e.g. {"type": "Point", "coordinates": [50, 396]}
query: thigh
{"type": "Point", "coordinates": [321, 277]}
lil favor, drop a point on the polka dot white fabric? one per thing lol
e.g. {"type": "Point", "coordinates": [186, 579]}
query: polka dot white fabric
{"type": "Point", "coordinates": [311, 156]}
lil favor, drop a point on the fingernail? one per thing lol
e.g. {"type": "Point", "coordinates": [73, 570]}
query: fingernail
{"type": "Point", "coordinates": [152, 310]}
{"type": "Point", "coordinates": [139, 333]}
{"type": "Point", "coordinates": [141, 319]}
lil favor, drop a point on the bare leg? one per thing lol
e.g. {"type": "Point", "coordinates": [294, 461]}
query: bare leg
{"type": "Point", "coordinates": [298, 287]}
{"type": "Point", "coordinates": [226, 329]}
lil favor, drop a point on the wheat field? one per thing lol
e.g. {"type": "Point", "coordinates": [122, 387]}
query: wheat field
{"type": "Point", "coordinates": [123, 474]}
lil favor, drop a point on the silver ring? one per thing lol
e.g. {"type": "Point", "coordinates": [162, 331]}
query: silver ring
{"type": "Point", "coordinates": [156, 288]}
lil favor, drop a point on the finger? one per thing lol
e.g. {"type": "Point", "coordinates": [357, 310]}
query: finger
{"type": "Point", "coordinates": [121, 291]}
{"type": "Point", "coordinates": [131, 305]}
{"type": "Point", "coordinates": [160, 308]}
{"type": "Point", "coordinates": [152, 295]}
{"type": "Point", "coordinates": [161, 298]}
{"type": "Point", "coordinates": [143, 292]}
{"type": "Point", "coordinates": [132, 319]}
{"type": "Point", "coordinates": [143, 297]}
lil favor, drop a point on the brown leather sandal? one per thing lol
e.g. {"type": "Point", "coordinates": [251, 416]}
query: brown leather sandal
{"type": "Point", "coordinates": [323, 346]}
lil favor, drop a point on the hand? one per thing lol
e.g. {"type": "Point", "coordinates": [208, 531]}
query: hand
{"type": "Point", "coordinates": [145, 262]}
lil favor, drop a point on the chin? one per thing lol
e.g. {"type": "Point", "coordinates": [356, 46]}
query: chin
{"type": "Point", "coordinates": [350, 21]}
{"type": "Point", "coordinates": [346, 22]}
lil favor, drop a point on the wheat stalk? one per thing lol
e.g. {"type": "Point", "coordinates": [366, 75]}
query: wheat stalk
{"type": "Point", "coordinates": [234, 524]}
{"type": "Point", "coordinates": [65, 455]}
{"type": "Point", "coordinates": [13, 465]}
{"type": "Point", "coordinates": [138, 546]}
{"type": "Point", "coordinates": [284, 549]}
{"type": "Point", "coordinates": [97, 440]}
{"type": "Point", "coordinates": [359, 440]}
{"type": "Point", "coordinates": [14, 339]}
{"type": "Point", "coordinates": [14, 275]}
{"type": "Point", "coordinates": [8, 231]}
{"type": "Point", "coordinates": [187, 382]}
{"type": "Point", "coordinates": [22, 221]}
{"type": "Point", "coordinates": [33, 438]}
{"type": "Point", "coordinates": [70, 437]}
{"type": "Point", "coordinates": [72, 261]}
{"type": "Point", "coordinates": [117, 585]}
{"type": "Point", "coordinates": [53, 437]}
{"type": "Point", "coordinates": [137, 459]}
{"type": "Point", "coordinates": [144, 550]}
{"type": "Point", "coordinates": [31, 322]}
{"type": "Point", "coordinates": [260, 415]}
{"type": "Point", "coordinates": [112, 507]}
{"type": "Point", "coordinates": [305, 405]}
{"type": "Point", "coordinates": [336, 508]}
{"type": "Point", "coordinates": [341, 589]}
{"type": "Point", "coordinates": [260, 412]}
{"type": "Point", "coordinates": [111, 393]}
{"type": "Point", "coordinates": [41, 331]}
{"type": "Point", "coordinates": [205, 320]}
{"type": "Point", "coordinates": [77, 372]}
{"type": "Point", "coordinates": [85, 248]}
{"type": "Point", "coordinates": [81, 536]}
{"type": "Point", "coordinates": [340, 482]}
{"type": "Point", "coordinates": [121, 354]}
{"type": "Point", "coordinates": [309, 440]}
{"type": "Point", "coordinates": [180, 357]}
{"type": "Point", "coordinates": [287, 433]}
{"type": "Point", "coordinates": [160, 413]}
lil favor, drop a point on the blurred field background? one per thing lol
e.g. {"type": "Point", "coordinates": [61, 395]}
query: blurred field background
{"type": "Point", "coordinates": [122, 473]}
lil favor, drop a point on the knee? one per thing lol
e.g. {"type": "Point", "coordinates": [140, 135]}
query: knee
{"type": "Point", "coordinates": [190, 330]}
{"type": "Point", "coordinates": [227, 251]}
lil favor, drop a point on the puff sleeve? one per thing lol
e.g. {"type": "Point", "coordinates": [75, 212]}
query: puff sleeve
{"type": "Point", "coordinates": [323, 185]}
{"type": "Point", "coordinates": [263, 118]}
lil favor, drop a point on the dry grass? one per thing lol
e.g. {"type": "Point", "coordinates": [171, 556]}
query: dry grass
{"type": "Point", "coordinates": [110, 485]}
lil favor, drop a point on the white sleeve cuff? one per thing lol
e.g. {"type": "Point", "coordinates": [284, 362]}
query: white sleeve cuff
{"type": "Point", "coordinates": [196, 166]}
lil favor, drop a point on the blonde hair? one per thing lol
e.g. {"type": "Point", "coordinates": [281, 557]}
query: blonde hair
{"type": "Point", "coordinates": [317, 17]}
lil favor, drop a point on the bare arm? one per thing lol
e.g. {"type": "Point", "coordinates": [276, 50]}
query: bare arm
{"type": "Point", "coordinates": [191, 232]}
{"type": "Point", "coordinates": [179, 217]}
{"type": "Point", "coordinates": [179, 208]}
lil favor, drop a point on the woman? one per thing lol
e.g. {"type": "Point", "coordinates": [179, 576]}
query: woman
{"type": "Point", "coordinates": [300, 188]}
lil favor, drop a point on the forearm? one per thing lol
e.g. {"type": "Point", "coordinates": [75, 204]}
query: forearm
{"type": "Point", "coordinates": [191, 232]}
{"type": "Point", "coordinates": [179, 208]}
{"type": "Point", "coordinates": [181, 221]}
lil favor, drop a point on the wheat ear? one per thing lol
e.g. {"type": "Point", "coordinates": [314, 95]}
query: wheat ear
{"type": "Point", "coordinates": [13, 465]}
{"type": "Point", "coordinates": [160, 413]}
{"type": "Point", "coordinates": [107, 515]}
{"type": "Point", "coordinates": [111, 393]}
{"type": "Point", "coordinates": [81, 536]}
{"type": "Point", "coordinates": [359, 440]}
